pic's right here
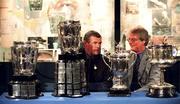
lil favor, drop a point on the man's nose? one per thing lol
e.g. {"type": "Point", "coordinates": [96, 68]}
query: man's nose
{"type": "Point", "coordinates": [129, 42]}
{"type": "Point", "coordinates": [98, 45]}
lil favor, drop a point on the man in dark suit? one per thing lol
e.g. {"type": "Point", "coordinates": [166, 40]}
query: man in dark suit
{"type": "Point", "coordinates": [99, 74]}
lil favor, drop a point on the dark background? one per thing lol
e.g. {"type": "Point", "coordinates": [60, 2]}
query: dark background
{"type": "Point", "coordinates": [44, 72]}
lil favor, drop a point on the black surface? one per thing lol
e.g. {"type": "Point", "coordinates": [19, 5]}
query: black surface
{"type": "Point", "coordinates": [45, 75]}
{"type": "Point", "coordinates": [117, 21]}
{"type": "Point", "coordinates": [118, 92]}
{"type": "Point", "coordinates": [5, 74]}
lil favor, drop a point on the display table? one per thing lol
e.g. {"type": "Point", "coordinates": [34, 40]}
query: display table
{"type": "Point", "coordinates": [93, 98]}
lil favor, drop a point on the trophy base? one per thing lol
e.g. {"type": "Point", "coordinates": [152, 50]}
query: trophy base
{"type": "Point", "coordinates": [115, 92]}
{"type": "Point", "coordinates": [162, 91]}
{"type": "Point", "coordinates": [23, 90]}
{"type": "Point", "coordinates": [67, 93]}
{"type": "Point", "coordinates": [24, 87]}
{"type": "Point", "coordinates": [21, 97]}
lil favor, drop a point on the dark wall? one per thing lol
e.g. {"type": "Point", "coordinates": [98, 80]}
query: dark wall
{"type": "Point", "coordinates": [172, 75]}
{"type": "Point", "coordinates": [117, 27]}
{"type": "Point", "coordinates": [5, 73]}
{"type": "Point", "coordinates": [44, 71]}
{"type": "Point", "coordinates": [45, 74]}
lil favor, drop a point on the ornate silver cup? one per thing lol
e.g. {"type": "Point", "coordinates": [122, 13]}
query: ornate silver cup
{"type": "Point", "coordinates": [24, 58]}
{"type": "Point", "coordinates": [70, 75]}
{"type": "Point", "coordinates": [119, 66]}
{"type": "Point", "coordinates": [69, 36]}
{"type": "Point", "coordinates": [23, 83]}
{"type": "Point", "coordinates": [164, 56]}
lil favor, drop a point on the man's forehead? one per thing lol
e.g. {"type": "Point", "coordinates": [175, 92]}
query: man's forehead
{"type": "Point", "coordinates": [133, 35]}
{"type": "Point", "coordinates": [94, 38]}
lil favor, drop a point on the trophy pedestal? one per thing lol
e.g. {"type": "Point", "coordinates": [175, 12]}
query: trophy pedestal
{"type": "Point", "coordinates": [115, 92]}
{"type": "Point", "coordinates": [165, 90]}
{"type": "Point", "coordinates": [23, 87]}
{"type": "Point", "coordinates": [68, 80]}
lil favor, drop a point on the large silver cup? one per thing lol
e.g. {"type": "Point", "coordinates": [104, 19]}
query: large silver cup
{"type": "Point", "coordinates": [24, 58]}
{"type": "Point", "coordinates": [69, 36]}
{"type": "Point", "coordinates": [119, 66]}
{"type": "Point", "coordinates": [164, 56]}
{"type": "Point", "coordinates": [23, 83]}
{"type": "Point", "coordinates": [70, 75]}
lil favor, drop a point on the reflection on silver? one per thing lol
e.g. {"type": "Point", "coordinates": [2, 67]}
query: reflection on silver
{"type": "Point", "coordinates": [23, 84]}
{"type": "Point", "coordinates": [24, 58]}
{"type": "Point", "coordinates": [69, 35]}
{"type": "Point", "coordinates": [162, 55]}
{"type": "Point", "coordinates": [20, 90]}
{"type": "Point", "coordinates": [70, 78]}
{"type": "Point", "coordinates": [120, 65]}
{"type": "Point", "coordinates": [70, 74]}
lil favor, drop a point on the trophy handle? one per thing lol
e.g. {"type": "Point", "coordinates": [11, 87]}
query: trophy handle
{"type": "Point", "coordinates": [103, 57]}
{"type": "Point", "coordinates": [107, 54]}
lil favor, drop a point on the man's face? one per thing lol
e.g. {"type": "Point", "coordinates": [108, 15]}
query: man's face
{"type": "Point", "coordinates": [135, 43]}
{"type": "Point", "coordinates": [93, 47]}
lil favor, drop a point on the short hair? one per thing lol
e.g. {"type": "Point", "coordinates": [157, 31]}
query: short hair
{"type": "Point", "coordinates": [91, 33]}
{"type": "Point", "coordinates": [142, 33]}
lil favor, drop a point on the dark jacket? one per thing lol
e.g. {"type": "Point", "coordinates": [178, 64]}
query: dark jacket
{"type": "Point", "coordinates": [99, 75]}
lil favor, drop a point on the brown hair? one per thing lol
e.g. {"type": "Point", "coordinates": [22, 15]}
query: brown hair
{"type": "Point", "coordinates": [91, 33]}
{"type": "Point", "coordinates": [142, 33]}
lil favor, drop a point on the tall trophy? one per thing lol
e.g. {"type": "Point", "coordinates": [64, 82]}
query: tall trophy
{"type": "Point", "coordinates": [119, 66]}
{"type": "Point", "coordinates": [23, 83]}
{"type": "Point", "coordinates": [70, 75]}
{"type": "Point", "coordinates": [164, 56]}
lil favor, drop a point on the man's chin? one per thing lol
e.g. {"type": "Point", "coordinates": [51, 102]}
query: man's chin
{"type": "Point", "coordinates": [134, 50]}
{"type": "Point", "coordinates": [96, 53]}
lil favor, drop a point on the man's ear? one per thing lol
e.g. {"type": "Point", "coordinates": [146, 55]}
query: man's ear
{"type": "Point", "coordinates": [85, 43]}
{"type": "Point", "coordinates": [87, 47]}
{"type": "Point", "coordinates": [144, 42]}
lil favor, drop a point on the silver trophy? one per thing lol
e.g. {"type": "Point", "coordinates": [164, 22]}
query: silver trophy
{"type": "Point", "coordinates": [164, 56]}
{"type": "Point", "coordinates": [24, 57]}
{"type": "Point", "coordinates": [119, 66]}
{"type": "Point", "coordinates": [70, 78]}
{"type": "Point", "coordinates": [23, 83]}
{"type": "Point", "coordinates": [69, 36]}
